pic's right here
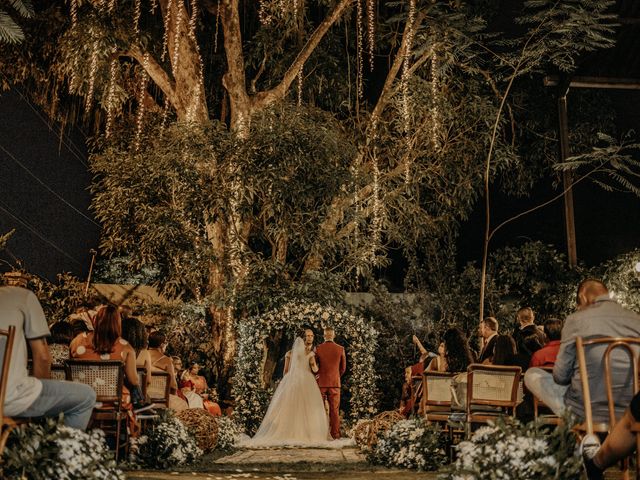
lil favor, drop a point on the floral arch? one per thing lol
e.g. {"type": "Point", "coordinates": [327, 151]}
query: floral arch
{"type": "Point", "coordinates": [360, 342]}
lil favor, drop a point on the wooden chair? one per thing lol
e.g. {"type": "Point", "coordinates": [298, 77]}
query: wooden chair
{"type": "Point", "coordinates": [58, 372]}
{"type": "Point", "coordinates": [416, 394]}
{"type": "Point", "coordinates": [541, 412]}
{"type": "Point", "coordinates": [159, 389]}
{"type": "Point", "coordinates": [8, 423]}
{"type": "Point", "coordinates": [106, 377]}
{"type": "Point", "coordinates": [612, 344]}
{"type": "Point", "coordinates": [492, 391]}
{"type": "Point", "coordinates": [436, 397]}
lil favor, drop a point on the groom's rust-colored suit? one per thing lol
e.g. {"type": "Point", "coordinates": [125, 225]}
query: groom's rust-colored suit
{"type": "Point", "coordinates": [332, 362]}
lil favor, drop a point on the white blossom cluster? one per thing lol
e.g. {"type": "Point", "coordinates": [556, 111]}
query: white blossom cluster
{"type": "Point", "coordinates": [498, 453]}
{"type": "Point", "coordinates": [168, 445]}
{"type": "Point", "coordinates": [228, 432]}
{"type": "Point", "coordinates": [361, 341]}
{"type": "Point", "coordinates": [52, 450]}
{"type": "Point", "coordinates": [410, 444]}
{"type": "Point", "coordinates": [83, 455]}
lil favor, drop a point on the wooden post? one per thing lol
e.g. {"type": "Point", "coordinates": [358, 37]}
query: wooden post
{"type": "Point", "coordinates": [567, 178]}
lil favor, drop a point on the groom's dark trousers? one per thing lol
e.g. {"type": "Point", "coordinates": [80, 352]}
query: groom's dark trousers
{"type": "Point", "coordinates": [332, 363]}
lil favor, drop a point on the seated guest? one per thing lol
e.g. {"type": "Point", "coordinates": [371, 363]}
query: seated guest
{"type": "Point", "coordinates": [29, 396]}
{"type": "Point", "coordinates": [61, 336]}
{"type": "Point", "coordinates": [454, 353]}
{"type": "Point", "coordinates": [488, 331]}
{"type": "Point", "coordinates": [546, 356]}
{"type": "Point", "coordinates": [618, 445]}
{"type": "Point", "coordinates": [439, 363]}
{"type": "Point", "coordinates": [418, 368]}
{"type": "Point", "coordinates": [528, 336]}
{"type": "Point", "coordinates": [134, 332]}
{"type": "Point", "coordinates": [597, 315]}
{"type": "Point", "coordinates": [406, 398]}
{"type": "Point", "coordinates": [195, 389]}
{"type": "Point", "coordinates": [504, 352]}
{"type": "Point", "coordinates": [106, 343]}
{"type": "Point", "coordinates": [163, 363]}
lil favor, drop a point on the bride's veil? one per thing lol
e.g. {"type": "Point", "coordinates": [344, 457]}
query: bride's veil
{"type": "Point", "coordinates": [298, 356]}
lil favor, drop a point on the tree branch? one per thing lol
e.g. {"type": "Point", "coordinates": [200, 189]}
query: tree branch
{"type": "Point", "coordinates": [159, 76]}
{"type": "Point", "coordinates": [263, 99]}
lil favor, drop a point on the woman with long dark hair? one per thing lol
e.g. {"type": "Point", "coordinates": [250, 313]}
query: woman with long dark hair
{"type": "Point", "coordinates": [106, 343]}
{"type": "Point", "coordinates": [457, 353]}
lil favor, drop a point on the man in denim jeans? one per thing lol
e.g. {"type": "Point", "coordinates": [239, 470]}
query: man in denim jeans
{"type": "Point", "coordinates": [37, 396]}
{"type": "Point", "coordinates": [597, 315]}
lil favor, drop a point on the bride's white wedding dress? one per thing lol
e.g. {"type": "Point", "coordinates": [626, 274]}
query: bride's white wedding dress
{"type": "Point", "coordinates": [296, 414]}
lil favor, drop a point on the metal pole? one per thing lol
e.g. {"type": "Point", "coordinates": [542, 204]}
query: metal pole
{"type": "Point", "coordinates": [93, 260]}
{"type": "Point", "coordinates": [563, 124]}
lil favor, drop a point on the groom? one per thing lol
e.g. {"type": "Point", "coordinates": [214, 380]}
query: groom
{"type": "Point", "coordinates": [332, 363]}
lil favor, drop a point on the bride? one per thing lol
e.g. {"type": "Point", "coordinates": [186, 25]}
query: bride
{"type": "Point", "coordinates": [296, 414]}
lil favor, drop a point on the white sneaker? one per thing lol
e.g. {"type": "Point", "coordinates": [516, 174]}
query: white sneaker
{"type": "Point", "coordinates": [589, 446]}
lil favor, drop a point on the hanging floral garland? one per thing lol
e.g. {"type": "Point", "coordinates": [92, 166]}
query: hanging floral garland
{"type": "Point", "coordinates": [360, 342]}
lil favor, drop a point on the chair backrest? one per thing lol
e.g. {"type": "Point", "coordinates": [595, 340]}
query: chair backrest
{"type": "Point", "coordinates": [612, 344]}
{"type": "Point", "coordinates": [159, 388]}
{"type": "Point", "coordinates": [142, 379]}
{"type": "Point", "coordinates": [58, 372]}
{"type": "Point", "coordinates": [7, 336]}
{"type": "Point", "coordinates": [106, 377]}
{"type": "Point", "coordinates": [492, 385]}
{"type": "Point", "coordinates": [437, 389]}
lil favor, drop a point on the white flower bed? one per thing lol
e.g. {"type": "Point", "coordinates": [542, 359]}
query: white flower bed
{"type": "Point", "coordinates": [360, 337]}
{"type": "Point", "coordinates": [410, 444]}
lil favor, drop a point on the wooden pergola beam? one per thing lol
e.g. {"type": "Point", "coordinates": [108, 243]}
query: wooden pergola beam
{"type": "Point", "coordinates": [605, 83]}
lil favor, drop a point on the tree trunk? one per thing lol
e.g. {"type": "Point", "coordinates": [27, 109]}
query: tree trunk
{"type": "Point", "coordinates": [188, 97]}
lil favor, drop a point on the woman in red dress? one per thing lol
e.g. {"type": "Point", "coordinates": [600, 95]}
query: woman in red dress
{"type": "Point", "coordinates": [196, 391]}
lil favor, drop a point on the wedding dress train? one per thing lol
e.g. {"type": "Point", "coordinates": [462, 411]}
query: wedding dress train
{"type": "Point", "coordinates": [296, 414]}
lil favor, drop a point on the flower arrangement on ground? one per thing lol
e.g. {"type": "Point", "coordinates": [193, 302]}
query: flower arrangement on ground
{"type": "Point", "coordinates": [410, 444]}
{"type": "Point", "coordinates": [510, 451]}
{"type": "Point", "coordinates": [42, 451]}
{"type": "Point", "coordinates": [360, 339]}
{"type": "Point", "coordinates": [169, 444]}
{"type": "Point", "coordinates": [228, 433]}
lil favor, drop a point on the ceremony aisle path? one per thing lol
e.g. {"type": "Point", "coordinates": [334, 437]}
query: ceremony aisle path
{"type": "Point", "coordinates": [287, 464]}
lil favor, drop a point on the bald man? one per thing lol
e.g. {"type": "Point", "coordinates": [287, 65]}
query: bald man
{"type": "Point", "coordinates": [596, 315]}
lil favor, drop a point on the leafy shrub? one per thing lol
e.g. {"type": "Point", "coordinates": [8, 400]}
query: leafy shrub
{"type": "Point", "coordinates": [168, 445]}
{"type": "Point", "coordinates": [410, 444]}
{"type": "Point", "coordinates": [228, 432]}
{"type": "Point", "coordinates": [42, 451]}
{"type": "Point", "coordinates": [620, 275]}
{"type": "Point", "coordinates": [513, 451]}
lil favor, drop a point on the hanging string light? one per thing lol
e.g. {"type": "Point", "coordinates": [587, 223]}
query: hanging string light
{"type": "Point", "coordinates": [406, 64]}
{"type": "Point", "coordinates": [141, 96]}
{"type": "Point", "coordinates": [215, 39]}
{"type": "Point", "coordinates": [112, 6]}
{"type": "Point", "coordinates": [165, 35]}
{"type": "Point", "coordinates": [371, 30]}
{"type": "Point", "coordinates": [93, 71]}
{"type": "Point", "coordinates": [193, 20]}
{"type": "Point", "coordinates": [435, 113]}
{"type": "Point", "coordinates": [359, 48]}
{"type": "Point", "coordinates": [176, 38]}
{"type": "Point", "coordinates": [300, 86]}
{"type": "Point", "coordinates": [153, 6]}
{"type": "Point", "coordinates": [376, 223]}
{"type": "Point", "coordinates": [165, 115]}
{"type": "Point", "coordinates": [74, 13]}
{"type": "Point", "coordinates": [113, 71]}
{"type": "Point", "coordinates": [137, 10]}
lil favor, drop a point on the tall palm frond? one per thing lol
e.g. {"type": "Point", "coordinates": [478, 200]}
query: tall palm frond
{"type": "Point", "coordinates": [10, 31]}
